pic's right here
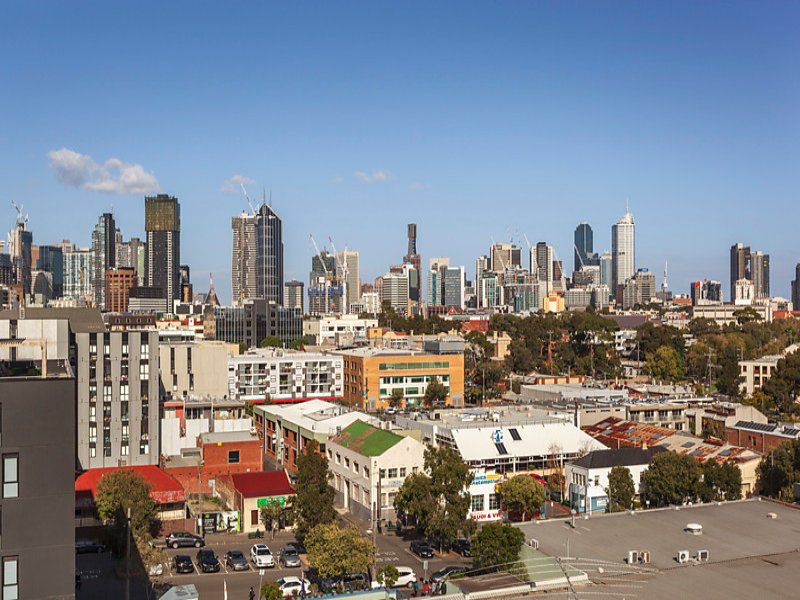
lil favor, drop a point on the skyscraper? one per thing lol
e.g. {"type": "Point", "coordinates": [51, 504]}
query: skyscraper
{"type": "Point", "coordinates": [740, 265]}
{"type": "Point", "coordinates": [584, 245]}
{"type": "Point", "coordinates": [243, 257]}
{"type": "Point", "coordinates": [269, 255]}
{"type": "Point", "coordinates": [623, 249]}
{"type": "Point", "coordinates": [162, 222]}
{"type": "Point", "coordinates": [104, 248]}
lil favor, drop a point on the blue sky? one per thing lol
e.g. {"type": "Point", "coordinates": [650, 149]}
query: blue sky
{"type": "Point", "coordinates": [474, 120]}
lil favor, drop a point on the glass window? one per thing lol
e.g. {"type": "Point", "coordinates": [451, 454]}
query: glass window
{"type": "Point", "coordinates": [10, 578]}
{"type": "Point", "coordinates": [10, 476]}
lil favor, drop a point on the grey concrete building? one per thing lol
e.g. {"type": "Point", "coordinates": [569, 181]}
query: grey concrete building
{"type": "Point", "coordinates": [37, 510]}
{"type": "Point", "coordinates": [118, 398]}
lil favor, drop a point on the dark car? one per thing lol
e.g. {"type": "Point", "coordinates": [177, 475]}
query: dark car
{"type": "Point", "coordinates": [236, 560]}
{"type": "Point", "coordinates": [207, 561]}
{"type": "Point", "coordinates": [463, 547]}
{"type": "Point", "coordinates": [289, 557]}
{"type": "Point", "coordinates": [447, 573]}
{"type": "Point", "coordinates": [87, 546]}
{"type": "Point", "coordinates": [422, 549]}
{"type": "Point", "coordinates": [183, 564]}
{"type": "Point", "coordinates": [184, 539]}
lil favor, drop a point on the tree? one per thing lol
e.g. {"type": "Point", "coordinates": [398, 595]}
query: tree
{"type": "Point", "coordinates": [388, 575]}
{"type": "Point", "coordinates": [313, 503]}
{"type": "Point", "coordinates": [396, 399]}
{"type": "Point", "coordinates": [720, 481]}
{"type": "Point", "coordinates": [436, 392]}
{"type": "Point", "coordinates": [271, 342]}
{"type": "Point", "coordinates": [121, 490]}
{"type": "Point", "coordinates": [522, 494]}
{"type": "Point", "coordinates": [270, 591]}
{"type": "Point", "coordinates": [671, 479]}
{"type": "Point", "coordinates": [621, 490]}
{"type": "Point", "coordinates": [666, 364]}
{"type": "Point", "coordinates": [779, 470]}
{"type": "Point", "coordinates": [336, 551]}
{"type": "Point", "coordinates": [497, 546]}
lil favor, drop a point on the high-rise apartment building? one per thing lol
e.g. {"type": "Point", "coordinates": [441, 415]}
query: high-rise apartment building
{"type": "Point", "coordinates": [162, 222]}
{"type": "Point", "coordinates": [269, 255]}
{"type": "Point", "coordinates": [104, 248]}
{"type": "Point", "coordinates": [623, 249]}
{"type": "Point", "coordinates": [347, 272]}
{"type": "Point", "coordinates": [293, 294]}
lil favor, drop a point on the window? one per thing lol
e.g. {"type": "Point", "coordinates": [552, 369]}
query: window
{"type": "Point", "coordinates": [233, 457]}
{"type": "Point", "coordinates": [393, 473]}
{"type": "Point", "coordinates": [10, 476]}
{"type": "Point", "coordinates": [476, 504]}
{"type": "Point", "coordinates": [10, 578]}
{"type": "Point", "coordinates": [494, 501]}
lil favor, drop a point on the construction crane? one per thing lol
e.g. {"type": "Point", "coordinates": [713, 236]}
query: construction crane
{"type": "Point", "coordinates": [325, 270]}
{"type": "Point", "coordinates": [344, 276]}
{"type": "Point", "coordinates": [249, 201]}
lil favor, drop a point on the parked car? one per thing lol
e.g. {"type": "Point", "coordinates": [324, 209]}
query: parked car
{"type": "Point", "coordinates": [184, 539]}
{"type": "Point", "coordinates": [422, 549]}
{"type": "Point", "coordinates": [447, 572]}
{"type": "Point", "coordinates": [236, 560]}
{"type": "Point", "coordinates": [87, 546]}
{"type": "Point", "coordinates": [463, 546]}
{"type": "Point", "coordinates": [183, 564]}
{"type": "Point", "coordinates": [289, 557]}
{"type": "Point", "coordinates": [207, 560]}
{"type": "Point", "coordinates": [406, 578]}
{"type": "Point", "coordinates": [261, 556]}
{"type": "Point", "coordinates": [291, 586]}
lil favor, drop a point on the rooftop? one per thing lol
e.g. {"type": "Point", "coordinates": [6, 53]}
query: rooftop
{"type": "Point", "coordinates": [367, 440]}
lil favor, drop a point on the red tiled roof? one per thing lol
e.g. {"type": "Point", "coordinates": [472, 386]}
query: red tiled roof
{"type": "Point", "coordinates": [262, 485]}
{"type": "Point", "coordinates": [164, 488]}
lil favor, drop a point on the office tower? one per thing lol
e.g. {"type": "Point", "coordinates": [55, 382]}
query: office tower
{"type": "Point", "coordinates": [269, 255]}
{"type": "Point", "coordinates": [162, 222]}
{"type": "Point", "coordinates": [415, 260]}
{"type": "Point", "coordinates": [740, 265]}
{"type": "Point", "coordinates": [104, 247]}
{"type": "Point", "coordinates": [623, 249]}
{"type": "Point", "coordinates": [51, 260]}
{"type": "Point", "coordinates": [584, 246]}
{"type": "Point", "coordinates": [759, 273]}
{"type": "Point", "coordinates": [293, 294]}
{"type": "Point", "coordinates": [243, 257]}
{"type": "Point", "coordinates": [347, 273]}
{"type": "Point", "coordinates": [119, 283]}
{"type": "Point", "coordinates": [78, 272]}
{"type": "Point", "coordinates": [796, 288]}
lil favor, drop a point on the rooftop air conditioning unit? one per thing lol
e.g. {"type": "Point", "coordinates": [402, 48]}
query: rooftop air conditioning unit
{"type": "Point", "coordinates": [702, 555]}
{"type": "Point", "coordinates": [633, 557]}
{"type": "Point", "coordinates": [683, 557]}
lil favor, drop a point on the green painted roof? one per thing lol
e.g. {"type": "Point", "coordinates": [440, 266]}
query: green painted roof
{"type": "Point", "coordinates": [367, 440]}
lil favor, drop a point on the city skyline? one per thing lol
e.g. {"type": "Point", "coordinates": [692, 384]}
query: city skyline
{"type": "Point", "coordinates": [555, 128]}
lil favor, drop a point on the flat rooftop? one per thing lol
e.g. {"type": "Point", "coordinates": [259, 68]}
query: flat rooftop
{"type": "Point", "coordinates": [750, 554]}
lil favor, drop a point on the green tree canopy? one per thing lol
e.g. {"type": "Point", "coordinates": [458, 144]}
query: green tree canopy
{"type": "Point", "coordinates": [271, 342]}
{"type": "Point", "coordinates": [671, 479]}
{"type": "Point", "coordinates": [335, 550]}
{"type": "Point", "coordinates": [121, 490]}
{"type": "Point", "coordinates": [497, 545]}
{"type": "Point", "coordinates": [522, 494]}
{"type": "Point", "coordinates": [621, 489]}
{"type": "Point", "coordinates": [313, 503]}
{"type": "Point", "coordinates": [435, 392]}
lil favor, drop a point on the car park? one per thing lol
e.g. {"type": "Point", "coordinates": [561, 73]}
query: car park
{"type": "Point", "coordinates": [183, 564]}
{"type": "Point", "coordinates": [447, 573]}
{"type": "Point", "coordinates": [422, 549]}
{"type": "Point", "coordinates": [236, 560]}
{"type": "Point", "coordinates": [293, 586]}
{"type": "Point", "coordinates": [207, 561]}
{"type": "Point", "coordinates": [88, 546]}
{"type": "Point", "coordinates": [289, 557]}
{"type": "Point", "coordinates": [463, 547]}
{"type": "Point", "coordinates": [184, 539]}
{"type": "Point", "coordinates": [261, 556]}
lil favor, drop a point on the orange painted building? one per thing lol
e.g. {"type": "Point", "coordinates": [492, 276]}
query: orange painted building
{"type": "Point", "coordinates": [371, 375]}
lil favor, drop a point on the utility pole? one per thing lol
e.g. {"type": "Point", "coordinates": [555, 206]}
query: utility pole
{"type": "Point", "coordinates": [128, 556]}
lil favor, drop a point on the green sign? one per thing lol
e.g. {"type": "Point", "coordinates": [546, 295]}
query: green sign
{"type": "Point", "coordinates": [264, 502]}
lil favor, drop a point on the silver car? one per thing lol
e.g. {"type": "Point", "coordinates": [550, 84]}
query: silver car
{"type": "Point", "coordinates": [289, 557]}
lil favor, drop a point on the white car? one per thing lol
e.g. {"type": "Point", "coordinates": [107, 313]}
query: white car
{"type": "Point", "coordinates": [406, 578]}
{"type": "Point", "coordinates": [261, 556]}
{"type": "Point", "coordinates": [291, 585]}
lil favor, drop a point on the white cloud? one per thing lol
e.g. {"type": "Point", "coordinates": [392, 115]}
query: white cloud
{"type": "Point", "coordinates": [233, 185]}
{"type": "Point", "coordinates": [419, 186]}
{"type": "Point", "coordinates": [377, 176]}
{"type": "Point", "coordinates": [112, 177]}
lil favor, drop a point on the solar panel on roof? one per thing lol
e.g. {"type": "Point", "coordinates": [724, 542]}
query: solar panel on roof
{"type": "Point", "coordinates": [515, 434]}
{"type": "Point", "coordinates": [501, 448]}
